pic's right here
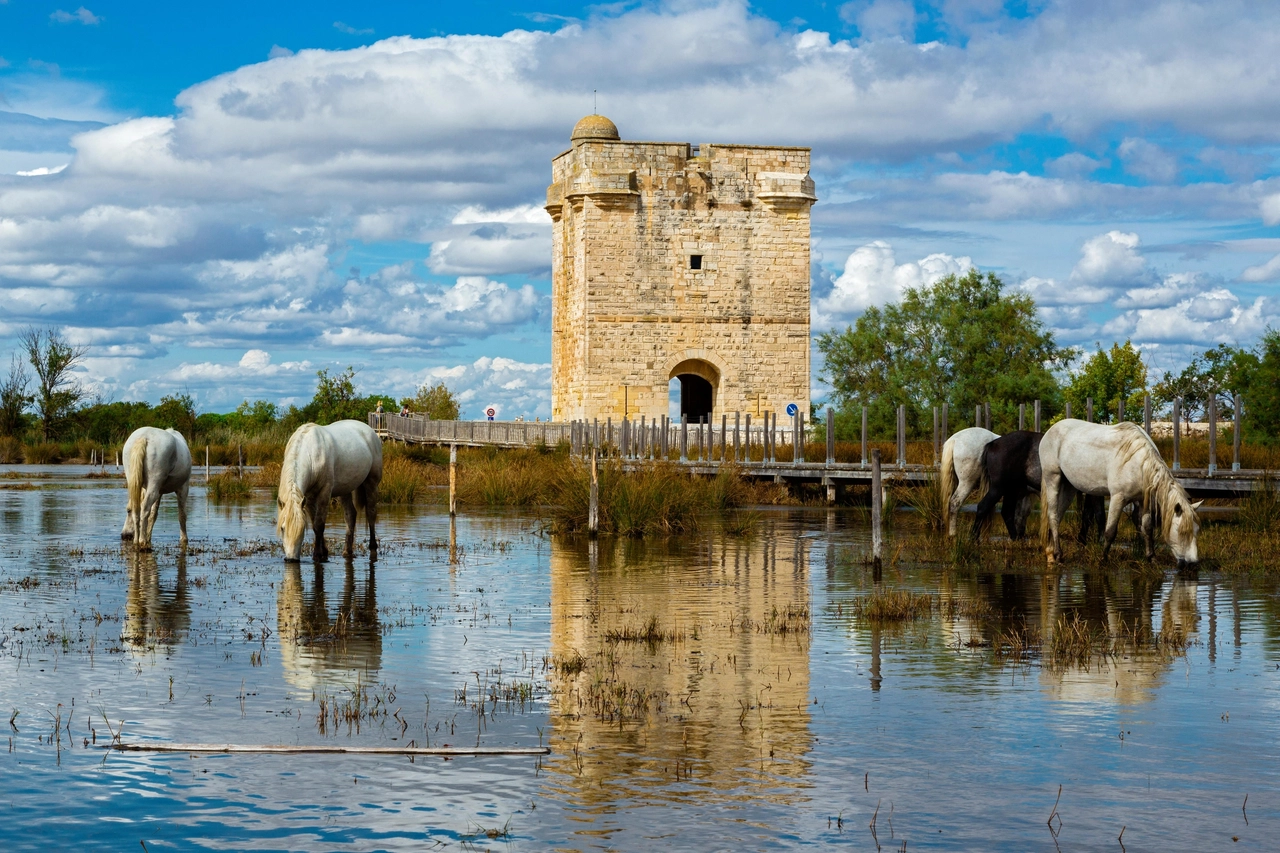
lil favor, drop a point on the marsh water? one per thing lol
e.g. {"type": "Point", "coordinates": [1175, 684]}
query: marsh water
{"type": "Point", "coordinates": [708, 692]}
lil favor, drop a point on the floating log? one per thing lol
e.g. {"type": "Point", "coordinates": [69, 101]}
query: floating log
{"type": "Point", "coordinates": [303, 749]}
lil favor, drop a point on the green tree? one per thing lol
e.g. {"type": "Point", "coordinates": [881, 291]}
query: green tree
{"type": "Point", "coordinates": [1257, 379]}
{"type": "Point", "coordinates": [14, 398]}
{"type": "Point", "coordinates": [1107, 377]}
{"type": "Point", "coordinates": [335, 398]}
{"type": "Point", "coordinates": [176, 411]}
{"type": "Point", "coordinates": [963, 341]}
{"type": "Point", "coordinates": [57, 392]}
{"type": "Point", "coordinates": [435, 401]}
{"type": "Point", "coordinates": [1217, 371]}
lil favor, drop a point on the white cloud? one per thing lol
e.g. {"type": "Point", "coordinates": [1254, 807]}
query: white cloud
{"type": "Point", "coordinates": [1270, 207]}
{"type": "Point", "coordinates": [42, 170]}
{"type": "Point", "coordinates": [873, 277]}
{"type": "Point", "coordinates": [1148, 160]}
{"type": "Point", "coordinates": [79, 16]}
{"type": "Point", "coordinates": [1270, 271]}
{"type": "Point", "coordinates": [1108, 262]}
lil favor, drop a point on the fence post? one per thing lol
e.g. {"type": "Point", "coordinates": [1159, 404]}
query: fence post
{"type": "Point", "coordinates": [593, 507]}
{"type": "Point", "coordinates": [1022, 416]}
{"type": "Point", "coordinates": [831, 435]}
{"type": "Point", "coordinates": [453, 480]}
{"type": "Point", "coordinates": [935, 437]}
{"type": "Point", "coordinates": [1236, 422]}
{"type": "Point", "coordinates": [737, 436]}
{"type": "Point", "coordinates": [1177, 411]}
{"type": "Point", "coordinates": [747, 447]}
{"type": "Point", "coordinates": [863, 458]}
{"type": "Point", "coordinates": [977, 415]}
{"type": "Point", "coordinates": [946, 411]}
{"type": "Point", "coordinates": [1066, 409]}
{"type": "Point", "coordinates": [877, 507]}
{"type": "Point", "coordinates": [797, 438]}
{"type": "Point", "coordinates": [1146, 413]}
{"type": "Point", "coordinates": [1036, 415]}
{"type": "Point", "coordinates": [684, 438]}
{"type": "Point", "coordinates": [902, 435]}
{"type": "Point", "coordinates": [206, 464]}
{"type": "Point", "coordinates": [770, 425]}
{"type": "Point", "coordinates": [1088, 409]}
{"type": "Point", "coordinates": [986, 410]}
{"type": "Point", "coordinates": [1213, 432]}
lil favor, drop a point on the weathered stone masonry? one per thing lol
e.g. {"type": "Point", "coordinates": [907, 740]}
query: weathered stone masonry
{"type": "Point", "coordinates": [673, 260]}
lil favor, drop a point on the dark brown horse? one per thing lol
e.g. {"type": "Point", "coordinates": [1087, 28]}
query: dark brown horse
{"type": "Point", "coordinates": [1011, 472]}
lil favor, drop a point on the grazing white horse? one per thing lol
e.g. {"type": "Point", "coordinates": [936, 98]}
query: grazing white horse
{"type": "Point", "coordinates": [156, 462]}
{"type": "Point", "coordinates": [1120, 462]}
{"type": "Point", "coordinates": [342, 460]}
{"type": "Point", "coordinates": [962, 470]}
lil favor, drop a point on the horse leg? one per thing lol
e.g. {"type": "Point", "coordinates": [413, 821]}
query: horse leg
{"type": "Point", "coordinates": [1148, 527]}
{"type": "Point", "coordinates": [986, 507]}
{"type": "Point", "coordinates": [320, 509]}
{"type": "Point", "coordinates": [1051, 494]}
{"type": "Point", "coordinates": [1009, 511]}
{"type": "Point", "coordinates": [371, 513]}
{"type": "Point", "coordinates": [182, 514]}
{"type": "Point", "coordinates": [147, 518]}
{"type": "Point", "coordinates": [1114, 512]}
{"type": "Point", "coordinates": [349, 510]}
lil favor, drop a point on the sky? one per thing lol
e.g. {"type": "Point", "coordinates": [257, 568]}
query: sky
{"type": "Point", "coordinates": [222, 199]}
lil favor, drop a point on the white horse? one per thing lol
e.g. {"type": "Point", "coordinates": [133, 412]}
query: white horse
{"type": "Point", "coordinates": [962, 471]}
{"type": "Point", "coordinates": [1120, 462]}
{"type": "Point", "coordinates": [156, 462]}
{"type": "Point", "coordinates": [342, 460]}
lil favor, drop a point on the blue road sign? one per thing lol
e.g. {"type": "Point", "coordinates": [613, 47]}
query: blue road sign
{"type": "Point", "coordinates": [792, 408]}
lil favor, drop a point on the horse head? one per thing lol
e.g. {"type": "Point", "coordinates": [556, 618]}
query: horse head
{"type": "Point", "coordinates": [291, 524]}
{"type": "Point", "coordinates": [1181, 526]}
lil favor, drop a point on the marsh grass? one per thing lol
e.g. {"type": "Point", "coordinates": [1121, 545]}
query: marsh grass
{"type": "Point", "coordinates": [405, 482]}
{"type": "Point", "coordinates": [651, 632]}
{"type": "Point", "coordinates": [1261, 510]}
{"type": "Point", "coordinates": [10, 450]}
{"type": "Point", "coordinates": [893, 605]}
{"type": "Point", "coordinates": [228, 487]}
{"type": "Point", "coordinates": [41, 453]}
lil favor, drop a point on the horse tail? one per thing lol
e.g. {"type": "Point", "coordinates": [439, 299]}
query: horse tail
{"type": "Point", "coordinates": [947, 480]}
{"type": "Point", "coordinates": [136, 472]}
{"type": "Point", "coordinates": [1044, 515]}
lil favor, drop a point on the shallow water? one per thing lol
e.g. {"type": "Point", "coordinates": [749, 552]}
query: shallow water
{"type": "Point", "coordinates": [730, 731]}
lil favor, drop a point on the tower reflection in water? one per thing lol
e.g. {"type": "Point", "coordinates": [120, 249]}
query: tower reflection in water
{"type": "Point", "coordinates": [152, 614]}
{"type": "Point", "coordinates": [679, 671]}
{"type": "Point", "coordinates": [319, 648]}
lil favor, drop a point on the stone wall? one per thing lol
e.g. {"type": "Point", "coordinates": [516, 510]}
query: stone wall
{"type": "Point", "coordinates": [627, 308]}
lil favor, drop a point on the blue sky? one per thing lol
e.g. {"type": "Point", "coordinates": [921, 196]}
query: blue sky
{"type": "Point", "coordinates": [222, 199]}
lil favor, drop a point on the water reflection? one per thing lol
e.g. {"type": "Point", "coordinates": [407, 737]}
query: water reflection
{"type": "Point", "coordinates": [152, 613]}
{"type": "Point", "coordinates": [694, 671]}
{"type": "Point", "coordinates": [1129, 607]}
{"type": "Point", "coordinates": [319, 648]}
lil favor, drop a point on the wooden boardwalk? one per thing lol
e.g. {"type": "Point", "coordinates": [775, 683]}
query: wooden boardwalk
{"type": "Point", "coordinates": [704, 444]}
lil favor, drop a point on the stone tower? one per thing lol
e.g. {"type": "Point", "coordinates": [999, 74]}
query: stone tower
{"type": "Point", "coordinates": [678, 261]}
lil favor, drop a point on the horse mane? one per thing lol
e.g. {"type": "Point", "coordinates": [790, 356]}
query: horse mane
{"type": "Point", "coordinates": [291, 522]}
{"type": "Point", "coordinates": [1160, 491]}
{"type": "Point", "coordinates": [136, 474]}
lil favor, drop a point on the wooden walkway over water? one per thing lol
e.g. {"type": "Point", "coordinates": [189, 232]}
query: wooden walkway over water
{"type": "Point", "coordinates": [759, 452]}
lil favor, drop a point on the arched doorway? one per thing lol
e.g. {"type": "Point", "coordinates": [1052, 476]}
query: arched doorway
{"type": "Point", "coordinates": [698, 382]}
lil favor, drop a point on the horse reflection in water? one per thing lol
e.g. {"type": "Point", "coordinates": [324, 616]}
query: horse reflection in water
{"type": "Point", "coordinates": [319, 649]}
{"type": "Point", "coordinates": [1121, 604]}
{"type": "Point", "coordinates": [152, 614]}
{"type": "Point", "coordinates": [720, 701]}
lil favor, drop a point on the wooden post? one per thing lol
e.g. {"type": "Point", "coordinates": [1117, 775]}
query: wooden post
{"type": "Point", "coordinates": [1022, 416]}
{"type": "Point", "coordinates": [877, 507]}
{"type": "Point", "coordinates": [937, 448]}
{"type": "Point", "coordinates": [737, 436]}
{"type": "Point", "coordinates": [684, 438]}
{"type": "Point", "coordinates": [747, 423]}
{"type": "Point", "coordinates": [608, 437]}
{"type": "Point", "coordinates": [902, 435]}
{"type": "Point", "coordinates": [1088, 409]}
{"type": "Point", "coordinates": [863, 458]}
{"type": "Point", "coordinates": [1066, 409]}
{"type": "Point", "coordinates": [831, 435]}
{"type": "Point", "coordinates": [1236, 422]}
{"type": "Point", "coordinates": [986, 411]}
{"type": "Point", "coordinates": [1146, 413]}
{"type": "Point", "coordinates": [977, 415]}
{"type": "Point", "coordinates": [593, 505]}
{"type": "Point", "coordinates": [206, 464]}
{"type": "Point", "coordinates": [595, 433]}
{"type": "Point", "coordinates": [724, 435]}
{"type": "Point", "coordinates": [453, 480]}
{"type": "Point", "coordinates": [663, 438]}
{"type": "Point", "coordinates": [797, 437]}
{"type": "Point", "coordinates": [768, 437]}
{"type": "Point", "coordinates": [1213, 433]}
{"type": "Point", "coordinates": [239, 460]}
{"type": "Point", "coordinates": [946, 413]}
{"type": "Point", "coordinates": [1177, 411]}
{"type": "Point", "coordinates": [1036, 415]}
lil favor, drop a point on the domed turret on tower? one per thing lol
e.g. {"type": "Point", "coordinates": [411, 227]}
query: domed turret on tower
{"type": "Point", "coordinates": [594, 127]}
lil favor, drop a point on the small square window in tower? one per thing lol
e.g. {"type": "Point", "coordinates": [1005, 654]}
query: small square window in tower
{"type": "Point", "coordinates": [695, 262]}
